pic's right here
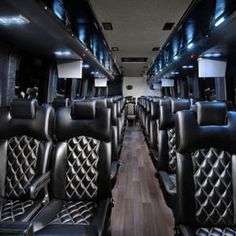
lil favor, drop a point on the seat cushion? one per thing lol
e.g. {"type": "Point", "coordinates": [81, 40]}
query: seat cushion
{"type": "Point", "coordinates": [168, 186]}
{"type": "Point", "coordinates": [72, 218]}
{"type": "Point", "coordinates": [188, 231]}
{"type": "Point", "coordinates": [16, 210]}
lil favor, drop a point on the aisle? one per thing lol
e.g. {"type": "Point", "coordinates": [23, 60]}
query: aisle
{"type": "Point", "coordinates": [139, 209]}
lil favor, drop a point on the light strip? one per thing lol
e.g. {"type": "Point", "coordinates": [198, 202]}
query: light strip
{"type": "Point", "coordinates": [220, 21]}
{"type": "Point", "coordinates": [13, 20]}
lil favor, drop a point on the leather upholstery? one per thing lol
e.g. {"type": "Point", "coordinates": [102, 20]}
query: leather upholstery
{"type": "Point", "coordinates": [85, 110]}
{"type": "Point", "coordinates": [21, 165]}
{"type": "Point", "coordinates": [91, 124]}
{"type": "Point", "coordinates": [172, 149]}
{"type": "Point", "coordinates": [11, 209]}
{"type": "Point", "coordinates": [80, 187]}
{"type": "Point", "coordinates": [205, 171]}
{"type": "Point", "coordinates": [215, 231]}
{"type": "Point", "coordinates": [23, 109]}
{"type": "Point", "coordinates": [75, 213]}
{"type": "Point", "coordinates": [167, 146]}
{"type": "Point", "coordinates": [217, 207]}
{"type": "Point", "coordinates": [41, 127]}
{"type": "Point", "coordinates": [82, 172]}
{"type": "Point", "coordinates": [25, 150]}
{"type": "Point", "coordinates": [60, 102]}
{"type": "Point", "coordinates": [208, 113]}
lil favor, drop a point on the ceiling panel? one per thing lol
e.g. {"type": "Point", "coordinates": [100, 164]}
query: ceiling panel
{"type": "Point", "coordinates": [137, 27]}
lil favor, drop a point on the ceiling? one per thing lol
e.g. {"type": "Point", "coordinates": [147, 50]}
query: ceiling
{"type": "Point", "coordinates": [137, 28]}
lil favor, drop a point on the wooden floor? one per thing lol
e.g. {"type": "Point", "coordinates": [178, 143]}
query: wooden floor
{"type": "Point", "coordinates": [139, 208]}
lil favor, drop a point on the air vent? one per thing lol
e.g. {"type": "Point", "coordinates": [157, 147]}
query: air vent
{"type": "Point", "coordinates": [168, 26]}
{"type": "Point", "coordinates": [156, 49]}
{"type": "Point", "coordinates": [115, 49]}
{"type": "Point", "coordinates": [107, 26]}
{"type": "Point", "coordinates": [134, 59]}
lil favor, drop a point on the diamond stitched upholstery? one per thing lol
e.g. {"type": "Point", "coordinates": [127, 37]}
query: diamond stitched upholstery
{"type": "Point", "coordinates": [215, 232]}
{"type": "Point", "coordinates": [9, 210]}
{"type": "Point", "coordinates": [213, 187]}
{"type": "Point", "coordinates": [21, 164]}
{"type": "Point", "coordinates": [75, 213]}
{"type": "Point", "coordinates": [172, 147]}
{"type": "Point", "coordinates": [130, 109]}
{"type": "Point", "coordinates": [82, 172]}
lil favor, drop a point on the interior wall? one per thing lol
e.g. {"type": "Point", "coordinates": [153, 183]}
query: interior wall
{"type": "Point", "coordinates": [140, 87]}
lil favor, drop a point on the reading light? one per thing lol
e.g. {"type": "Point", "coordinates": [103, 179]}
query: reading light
{"type": "Point", "coordinates": [220, 21]}
{"type": "Point", "coordinates": [86, 65]}
{"type": "Point", "coordinates": [13, 20]}
{"type": "Point", "coordinates": [188, 67]}
{"type": "Point", "coordinates": [176, 58]}
{"type": "Point", "coordinates": [191, 45]}
{"type": "Point", "coordinates": [62, 53]}
{"type": "Point", "coordinates": [212, 55]}
{"type": "Point", "coordinates": [175, 73]}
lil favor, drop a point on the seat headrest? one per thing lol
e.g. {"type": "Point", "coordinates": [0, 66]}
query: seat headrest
{"type": "Point", "coordinates": [41, 127]}
{"type": "Point", "coordinates": [211, 113]}
{"type": "Point", "coordinates": [83, 110]}
{"type": "Point", "coordinates": [179, 105]}
{"type": "Point", "coordinates": [210, 125]}
{"type": "Point", "coordinates": [90, 121]}
{"type": "Point", "coordinates": [101, 103]}
{"type": "Point", "coordinates": [155, 110]}
{"type": "Point", "coordinates": [23, 109]}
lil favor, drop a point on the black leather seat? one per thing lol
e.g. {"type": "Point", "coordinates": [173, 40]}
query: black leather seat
{"type": "Point", "coordinates": [25, 148]}
{"type": "Point", "coordinates": [154, 126]}
{"type": "Point", "coordinates": [80, 190]}
{"type": "Point", "coordinates": [131, 112]}
{"type": "Point", "coordinates": [167, 151]}
{"type": "Point", "coordinates": [60, 102]}
{"type": "Point", "coordinates": [108, 103]}
{"type": "Point", "coordinates": [206, 170]}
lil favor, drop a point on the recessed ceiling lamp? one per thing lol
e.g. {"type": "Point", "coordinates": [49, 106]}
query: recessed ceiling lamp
{"type": "Point", "coordinates": [115, 49]}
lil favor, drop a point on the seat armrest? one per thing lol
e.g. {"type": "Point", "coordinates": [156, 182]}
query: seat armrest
{"type": "Point", "coordinates": [16, 228]}
{"type": "Point", "coordinates": [38, 184]}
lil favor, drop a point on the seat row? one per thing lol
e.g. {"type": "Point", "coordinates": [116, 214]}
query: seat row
{"type": "Point", "coordinates": [55, 169]}
{"type": "Point", "coordinates": [118, 124]}
{"type": "Point", "coordinates": [194, 153]}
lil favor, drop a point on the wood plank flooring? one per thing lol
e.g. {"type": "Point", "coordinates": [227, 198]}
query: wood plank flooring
{"type": "Point", "coordinates": [140, 209]}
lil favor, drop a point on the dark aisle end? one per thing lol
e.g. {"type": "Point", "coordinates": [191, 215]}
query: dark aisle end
{"type": "Point", "coordinates": [140, 209]}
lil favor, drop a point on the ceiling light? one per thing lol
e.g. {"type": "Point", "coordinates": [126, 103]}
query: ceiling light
{"type": "Point", "coordinates": [86, 65]}
{"type": "Point", "coordinates": [115, 49]}
{"type": "Point", "coordinates": [107, 26]}
{"type": "Point", "coordinates": [212, 55]}
{"type": "Point", "coordinates": [13, 20]}
{"type": "Point", "coordinates": [62, 53]}
{"type": "Point", "coordinates": [168, 26]}
{"type": "Point", "coordinates": [220, 21]}
{"type": "Point", "coordinates": [156, 49]}
{"type": "Point", "coordinates": [175, 73]}
{"type": "Point", "coordinates": [188, 67]}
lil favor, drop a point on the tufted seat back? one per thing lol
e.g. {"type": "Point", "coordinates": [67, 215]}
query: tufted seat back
{"type": "Point", "coordinates": [167, 140]}
{"type": "Point", "coordinates": [205, 141]}
{"type": "Point", "coordinates": [25, 144]}
{"type": "Point", "coordinates": [82, 157]}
